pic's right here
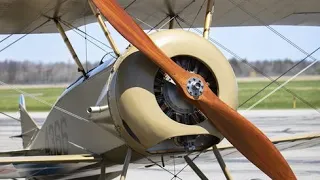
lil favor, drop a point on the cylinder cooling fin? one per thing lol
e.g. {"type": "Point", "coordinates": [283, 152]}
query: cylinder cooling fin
{"type": "Point", "coordinates": [171, 101]}
{"type": "Point", "coordinates": [157, 118]}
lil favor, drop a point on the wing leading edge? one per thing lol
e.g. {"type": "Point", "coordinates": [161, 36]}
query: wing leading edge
{"type": "Point", "coordinates": [54, 159]}
{"type": "Point", "coordinates": [287, 143]}
{"type": "Point", "coordinates": [228, 151]}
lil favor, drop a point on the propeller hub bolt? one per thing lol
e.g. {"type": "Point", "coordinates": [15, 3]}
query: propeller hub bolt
{"type": "Point", "coordinates": [195, 87]}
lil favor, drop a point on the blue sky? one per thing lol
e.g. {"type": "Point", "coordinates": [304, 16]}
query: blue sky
{"type": "Point", "coordinates": [247, 42]}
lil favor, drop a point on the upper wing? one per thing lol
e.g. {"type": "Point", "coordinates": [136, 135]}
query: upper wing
{"type": "Point", "coordinates": [23, 16]}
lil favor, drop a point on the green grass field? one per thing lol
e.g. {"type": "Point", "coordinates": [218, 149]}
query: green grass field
{"type": "Point", "coordinates": [308, 90]}
{"type": "Point", "coordinates": [9, 99]}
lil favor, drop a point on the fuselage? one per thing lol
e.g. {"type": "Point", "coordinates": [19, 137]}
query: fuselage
{"type": "Point", "coordinates": [68, 128]}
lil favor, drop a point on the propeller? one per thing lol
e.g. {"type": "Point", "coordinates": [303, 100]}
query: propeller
{"type": "Point", "coordinates": [244, 136]}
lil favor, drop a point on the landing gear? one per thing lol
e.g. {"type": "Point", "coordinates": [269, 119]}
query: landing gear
{"type": "Point", "coordinates": [126, 165]}
{"type": "Point", "coordinates": [221, 163]}
{"type": "Point", "coordinates": [200, 174]}
{"type": "Point", "coordinates": [195, 168]}
{"type": "Point", "coordinates": [103, 171]}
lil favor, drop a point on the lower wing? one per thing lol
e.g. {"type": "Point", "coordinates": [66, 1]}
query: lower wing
{"type": "Point", "coordinates": [228, 151]}
{"type": "Point", "coordinates": [20, 164]}
{"type": "Point", "coordinates": [30, 163]}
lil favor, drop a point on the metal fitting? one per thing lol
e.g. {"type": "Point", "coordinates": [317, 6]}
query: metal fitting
{"type": "Point", "coordinates": [195, 87]}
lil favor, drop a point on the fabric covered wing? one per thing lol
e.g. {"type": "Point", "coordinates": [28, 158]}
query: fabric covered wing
{"type": "Point", "coordinates": [48, 159]}
{"type": "Point", "coordinates": [283, 144]}
{"type": "Point", "coordinates": [288, 143]}
{"type": "Point", "coordinates": [14, 166]}
{"type": "Point", "coordinates": [228, 151]}
{"type": "Point", "coordinates": [22, 16]}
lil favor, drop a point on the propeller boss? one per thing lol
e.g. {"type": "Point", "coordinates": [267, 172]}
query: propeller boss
{"type": "Point", "coordinates": [195, 87]}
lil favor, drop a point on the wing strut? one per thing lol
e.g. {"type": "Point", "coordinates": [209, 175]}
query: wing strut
{"type": "Point", "coordinates": [208, 18]}
{"type": "Point", "coordinates": [206, 31]}
{"type": "Point", "coordinates": [171, 23]}
{"type": "Point", "coordinates": [72, 51]}
{"type": "Point", "coordinates": [126, 164]}
{"type": "Point", "coordinates": [104, 28]}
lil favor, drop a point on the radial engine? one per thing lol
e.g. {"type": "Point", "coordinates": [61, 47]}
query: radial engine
{"type": "Point", "coordinates": [148, 110]}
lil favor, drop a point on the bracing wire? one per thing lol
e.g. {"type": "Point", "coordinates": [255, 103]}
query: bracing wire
{"type": "Point", "coordinates": [9, 45]}
{"type": "Point", "coordinates": [240, 6]}
{"type": "Point", "coordinates": [250, 65]}
{"type": "Point", "coordinates": [5, 114]}
{"type": "Point", "coordinates": [276, 89]}
{"type": "Point", "coordinates": [295, 65]}
{"type": "Point", "coordinates": [2, 40]}
{"type": "Point", "coordinates": [174, 17]}
{"type": "Point", "coordinates": [130, 4]}
{"type": "Point", "coordinates": [44, 102]}
{"type": "Point", "coordinates": [153, 28]}
{"type": "Point", "coordinates": [198, 155]}
{"type": "Point", "coordinates": [38, 99]}
{"type": "Point", "coordinates": [157, 164]}
{"type": "Point", "coordinates": [66, 24]}
{"type": "Point", "coordinates": [34, 19]}
{"type": "Point", "coordinates": [80, 31]}
{"type": "Point", "coordinates": [194, 19]}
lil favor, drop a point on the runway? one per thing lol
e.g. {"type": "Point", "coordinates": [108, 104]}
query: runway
{"type": "Point", "coordinates": [275, 123]}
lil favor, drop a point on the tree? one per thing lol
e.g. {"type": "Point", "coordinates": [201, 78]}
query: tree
{"type": "Point", "coordinates": [12, 71]}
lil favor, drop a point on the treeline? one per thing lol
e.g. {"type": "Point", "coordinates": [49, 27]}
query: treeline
{"type": "Point", "coordinates": [28, 72]}
{"type": "Point", "coordinates": [276, 67]}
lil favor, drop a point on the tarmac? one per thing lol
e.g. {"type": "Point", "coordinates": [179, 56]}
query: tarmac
{"type": "Point", "coordinates": [274, 123]}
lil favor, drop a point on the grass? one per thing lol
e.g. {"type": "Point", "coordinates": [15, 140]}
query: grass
{"type": "Point", "coordinates": [281, 99]}
{"type": "Point", "coordinates": [308, 90]}
{"type": "Point", "coordinates": [9, 99]}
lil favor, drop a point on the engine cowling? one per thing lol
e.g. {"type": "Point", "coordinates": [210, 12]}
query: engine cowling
{"type": "Point", "coordinates": [147, 109]}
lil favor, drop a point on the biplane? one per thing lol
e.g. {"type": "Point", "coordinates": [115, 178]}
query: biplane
{"type": "Point", "coordinates": [170, 92]}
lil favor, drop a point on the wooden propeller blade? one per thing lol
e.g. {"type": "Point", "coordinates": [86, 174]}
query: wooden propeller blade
{"type": "Point", "coordinates": [248, 139]}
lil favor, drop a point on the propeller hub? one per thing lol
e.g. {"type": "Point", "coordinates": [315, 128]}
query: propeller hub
{"type": "Point", "coordinates": [195, 87]}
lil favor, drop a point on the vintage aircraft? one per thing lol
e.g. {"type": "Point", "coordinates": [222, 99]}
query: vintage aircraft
{"type": "Point", "coordinates": [165, 94]}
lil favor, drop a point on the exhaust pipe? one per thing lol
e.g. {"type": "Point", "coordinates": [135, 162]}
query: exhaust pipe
{"type": "Point", "coordinates": [97, 109]}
